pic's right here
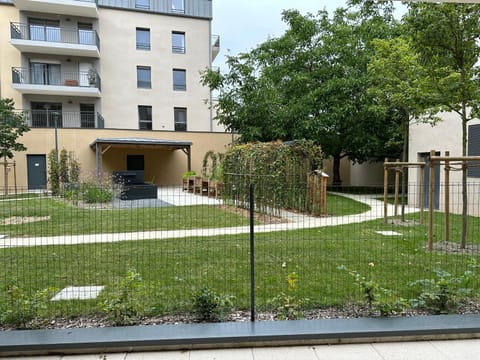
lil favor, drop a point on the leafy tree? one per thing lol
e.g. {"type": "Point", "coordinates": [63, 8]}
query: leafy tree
{"type": "Point", "coordinates": [311, 83]}
{"type": "Point", "coordinates": [400, 84]}
{"type": "Point", "coordinates": [447, 37]}
{"type": "Point", "coordinates": [12, 127]}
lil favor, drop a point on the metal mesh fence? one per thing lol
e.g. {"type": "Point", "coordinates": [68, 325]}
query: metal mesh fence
{"type": "Point", "coordinates": [69, 256]}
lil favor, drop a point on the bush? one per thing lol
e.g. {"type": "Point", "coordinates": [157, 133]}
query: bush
{"type": "Point", "coordinates": [277, 170]}
{"type": "Point", "coordinates": [288, 305]}
{"type": "Point", "coordinates": [21, 308]}
{"type": "Point", "coordinates": [208, 306]}
{"type": "Point", "coordinates": [95, 193]}
{"type": "Point", "coordinates": [125, 307]}
{"type": "Point", "coordinates": [377, 298]}
{"type": "Point", "coordinates": [442, 293]}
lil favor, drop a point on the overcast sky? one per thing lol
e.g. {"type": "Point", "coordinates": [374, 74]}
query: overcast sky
{"type": "Point", "coordinates": [242, 25]}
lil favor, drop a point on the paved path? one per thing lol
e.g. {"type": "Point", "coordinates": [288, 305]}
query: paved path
{"type": "Point", "coordinates": [421, 350]}
{"type": "Point", "coordinates": [295, 221]}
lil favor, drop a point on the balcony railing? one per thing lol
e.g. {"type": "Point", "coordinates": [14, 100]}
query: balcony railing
{"type": "Point", "coordinates": [54, 77]}
{"type": "Point", "coordinates": [54, 34]}
{"type": "Point", "coordinates": [63, 119]}
{"type": "Point", "coordinates": [215, 46]}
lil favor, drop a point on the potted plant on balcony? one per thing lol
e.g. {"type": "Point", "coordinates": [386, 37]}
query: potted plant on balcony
{"type": "Point", "coordinates": [92, 76]}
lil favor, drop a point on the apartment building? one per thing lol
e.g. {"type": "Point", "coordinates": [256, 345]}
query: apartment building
{"type": "Point", "coordinates": [117, 82]}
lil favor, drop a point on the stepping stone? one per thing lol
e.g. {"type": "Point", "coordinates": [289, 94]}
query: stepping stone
{"type": "Point", "coordinates": [78, 293]}
{"type": "Point", "coordinates": [389, 233]}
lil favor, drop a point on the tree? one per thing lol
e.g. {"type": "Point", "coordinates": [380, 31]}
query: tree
{"type": "Point", "coordinates": [447, 36]}
{"type": "Point", "coordinates": [402, 87]}
{"type": "Point", "coordinates": [310, 83]}
{"type": "Point", "coordinates": [12, 127]}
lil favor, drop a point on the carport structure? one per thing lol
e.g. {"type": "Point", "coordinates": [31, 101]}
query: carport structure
{"type": "Point", "coordinates": [102, 145]}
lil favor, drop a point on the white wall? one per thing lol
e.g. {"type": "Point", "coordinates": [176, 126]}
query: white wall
{"type": "Point", "coordinates": [446, 135]}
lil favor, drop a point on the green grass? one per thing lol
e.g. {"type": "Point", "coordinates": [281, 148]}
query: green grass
{"type": "Point", "coordinates": [69, 220]}
{"type": "Point", "coordinates": [338, 205]}
{"type": "Point", "coordinates": [172, 269]}
{"type": "Point", "coordinates": [66, 219]}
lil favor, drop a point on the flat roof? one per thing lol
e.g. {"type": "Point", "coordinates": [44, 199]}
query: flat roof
{"type": "Point", "coordinates": [142, 143]}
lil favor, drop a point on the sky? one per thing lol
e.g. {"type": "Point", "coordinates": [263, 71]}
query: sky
{"type": "Point", "coordinates": [242, 25]}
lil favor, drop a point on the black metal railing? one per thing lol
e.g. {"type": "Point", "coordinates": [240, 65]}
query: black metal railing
{"type": "Point", "coordinates": [54, 34]}
{"type": "Point", "coordinates": [63, 119]}
{"type": "Point", "coordinates": [154, 257]}
{"type": "Point", "coordinates": [50, 76]}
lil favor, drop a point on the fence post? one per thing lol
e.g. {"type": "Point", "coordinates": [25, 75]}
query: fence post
{"type": "Point", "coordinates": [385, 190]}
{"type": "Point", "coordinates": [447, 196]}
{"type": "Point", "coordinates": [422, 194]}
{"type": "Point", "coordinates": [252, 255]}
{"type": "Point", "coordinates": [431, 194]}
{"type": "Point", "coordinates": [397, 183]}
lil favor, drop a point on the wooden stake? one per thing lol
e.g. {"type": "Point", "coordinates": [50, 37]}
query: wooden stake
{"type": "Point", "coordinates": [422, 194]}
{"type": "Point", "coordinates": [397, 183]}
{"type": "Point", "coordinates": [431, 186]}
{"type": "Point", "coordinates": [447, 196]}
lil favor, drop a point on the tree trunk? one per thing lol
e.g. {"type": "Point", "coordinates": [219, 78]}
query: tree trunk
{"type": "Point", "coordinates": [337, 181]}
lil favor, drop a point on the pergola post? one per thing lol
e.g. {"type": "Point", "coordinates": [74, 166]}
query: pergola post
{"type": "Point", "coordinates": [98, 154]}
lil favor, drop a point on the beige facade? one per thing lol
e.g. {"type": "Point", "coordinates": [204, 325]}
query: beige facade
{"type": "Point", "coordinates": [161, 166]}
{"type": "Point", "coordinates": [110, 69]}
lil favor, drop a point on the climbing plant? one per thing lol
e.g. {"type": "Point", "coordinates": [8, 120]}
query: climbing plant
{"type": "Point", "coordinates": [277, 170]}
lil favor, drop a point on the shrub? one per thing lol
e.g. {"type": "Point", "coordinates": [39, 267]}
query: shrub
{"type": "Point", "coordinates": [209, 306]}
{"type": "Point", "coordinates": [125, 307]}
{"type": "Point", "coordinates": [377, 298]}
{"type": "Point", "coordinates": [95, 193]}
{"type": "Point", "coordinates": [21, 308]}
{"type": "Point", "coordinates": [287, 304]}
{"type": "Point", "coordinates": [442, 293]}
{"type": "Point", "coordinates": [277, 170]}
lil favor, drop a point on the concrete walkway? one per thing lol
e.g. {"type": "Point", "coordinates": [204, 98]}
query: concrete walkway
{"type": "Point", "coordinates": [178, 198]}
{"type": "Point", "coordinates": [421, 350]}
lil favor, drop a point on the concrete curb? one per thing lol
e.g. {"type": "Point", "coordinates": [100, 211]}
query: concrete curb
{"type": "Point", "coordinates": [222, 335]}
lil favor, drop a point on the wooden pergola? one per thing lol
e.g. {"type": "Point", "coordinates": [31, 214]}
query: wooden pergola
{"type": "Point", "coordinates": [102, 145]}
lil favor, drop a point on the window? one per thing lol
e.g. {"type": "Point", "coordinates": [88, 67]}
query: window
{"type": "Point", "coordinates": [473, 150]}
{"type": "Point", "coordinates": [178, 6]}
{"type": "Point", "coordinates": [87, 115]}
{"type": "Point", "coordinates": [180, 118]}
{"type": "Point", "coordinates": [142, 4]}
{"type": "Point", "coordinates": [46, 115]}
{"type": "Point", "coordinates": [144, 77]}
{"type": "Point", "coordinates": [144, 117]}
{"type": "Point", "coordinates": [86, 35]}
{"type": "Point", "coordinates": [44, 30]}
{"type": "Point", "coordinates": [179, 79]}
{"type": "Point", "coordinates": [178, 42]}
{"type": "Point", "coordinates": [143, 39]}
{"type": "Point", "coordinates": [45, 74]}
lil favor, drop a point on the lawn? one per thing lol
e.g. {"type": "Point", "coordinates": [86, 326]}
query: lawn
{"type": "Point", "coordinates": [172, 269]}
{"type": "Point", "coordinates": [67, 219]}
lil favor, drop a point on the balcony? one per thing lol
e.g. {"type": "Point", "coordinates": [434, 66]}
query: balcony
{"type": "Point", "coordinates": [49, 80]}
{"type": "Point", "coordinates": [83, 8]}
{"type": "Point", "coordinates": [215, 46]}
{"type": "Point", "coordinates": [63, 119]}
{"type": "Point", "coordinates": [54, 40]}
